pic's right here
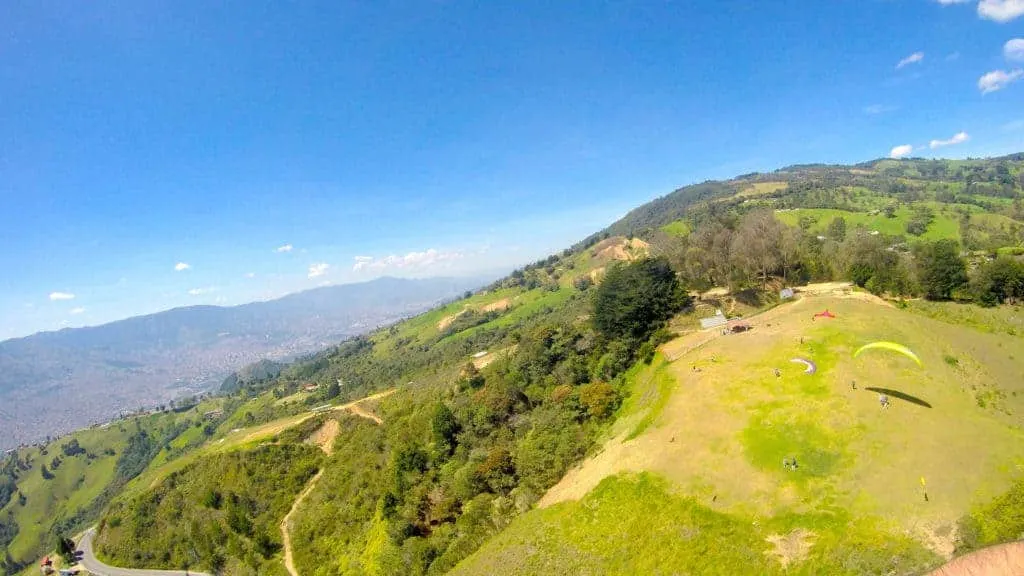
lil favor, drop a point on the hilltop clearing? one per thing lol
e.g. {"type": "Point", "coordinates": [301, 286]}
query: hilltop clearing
{"type": "Point", "coordinates": [712, 448]}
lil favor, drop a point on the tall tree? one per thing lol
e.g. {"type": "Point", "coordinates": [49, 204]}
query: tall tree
{"type": "Point", "coordinates": [941, 270]}
{"type": "Point", "coordinates": [755, 246]}
{"type": "Point", "coordinates": [635, 299]}
{"type": "Point", "coordinates": [837, 229]}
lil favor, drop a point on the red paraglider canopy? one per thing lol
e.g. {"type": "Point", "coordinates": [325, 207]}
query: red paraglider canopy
{"type": "Point", "coordinates": [825, 314]}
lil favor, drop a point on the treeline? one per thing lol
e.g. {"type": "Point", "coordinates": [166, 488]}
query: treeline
{"type": "Point", "coordinates": [753, 249]}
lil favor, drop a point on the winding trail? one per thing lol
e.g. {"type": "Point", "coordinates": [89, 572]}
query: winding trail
{"type": "Point", "coordinates": [286, 539]}
{"type": "Point", "coordinates": [327, 445]}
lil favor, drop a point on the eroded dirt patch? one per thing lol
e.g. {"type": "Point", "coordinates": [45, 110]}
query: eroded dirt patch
{"type": "Point", "coordinates": [324, 437]}
{"type": "Point", "coordinates": [790, 548]}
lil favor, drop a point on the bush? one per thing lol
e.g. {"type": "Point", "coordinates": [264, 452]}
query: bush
{"type": "Point", "coordinates": [599, 399]}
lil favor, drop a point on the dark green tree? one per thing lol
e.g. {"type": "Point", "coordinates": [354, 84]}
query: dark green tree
{"type": "Point", "coordinates": [635, 299]}
{"type": "Point", "coordinates": [941, 270]}
{"type": "Point", "coordinates": [66, 549]}
{"type": "Point", "coordinates": [998, 281]}
{"type": "Point", "coordinates": [333, 390]}
{"type": "Point", "coordinates": [837, 229]}
{"type": "Point", "coordinates": [444, 427]}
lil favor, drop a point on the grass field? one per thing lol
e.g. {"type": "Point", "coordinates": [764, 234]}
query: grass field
{"type": "Point", "coordinates": [709, 457]}
{"type": "Point", "coordinates": [679, 229]}
{"type": "Point", "coordinates": [943, 226]}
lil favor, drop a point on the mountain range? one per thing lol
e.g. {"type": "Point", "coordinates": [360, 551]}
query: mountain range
{"type": "Point", "coordinates": [53, 382]}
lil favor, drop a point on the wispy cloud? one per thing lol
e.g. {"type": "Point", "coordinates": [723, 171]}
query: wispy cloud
{"type": "Point", "coordinates": [901, 151]}
{"type": "Point", "coordinates": [418, 260]}
{"type": "Point", "coordinates": [283, 249]}
{"type": "Point", "coordinates": [1001, 10]}
{"type": "Point", "coordinates": [998, 79]}
{"type": "Point", "coordinates": [317, 270]}
{"type": "Point", "coordinates": [912, 59]}
{"type": "Point", "coordinates": [77, 311]}
{"type": "Point", "coordinates": [201, 291]}
{"type": "Point", "coordinates": [250, 275]}
{"type": "Point", "coordinates": [876, 109]}
{"type": "Point", "coordinates": [1013, 50]}
{"type": "Point", "coordinates": [950, 2]}
{"type": "Point", "coordinates": [181, 266]}
{"type": "Point", "coordinates": [958, 138]}
{"type": "Point", "coordinates": [55, 296]}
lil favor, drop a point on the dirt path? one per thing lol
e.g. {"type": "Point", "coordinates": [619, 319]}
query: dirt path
{"type": "Point", "coordinates": [360, 411]}
{"type": "Point", "coordinates": [324, 438]}
{"type": "Point", "coordinates": [286, 539]}
{"type": "Point", "coordinates": [1002, 560]}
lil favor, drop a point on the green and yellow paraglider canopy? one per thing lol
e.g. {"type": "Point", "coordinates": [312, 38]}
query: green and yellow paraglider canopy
{"type": "Point", "coordinates": [892, 347]}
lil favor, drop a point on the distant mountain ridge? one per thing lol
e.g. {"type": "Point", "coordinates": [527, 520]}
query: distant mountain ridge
{"type": "Point", "coordinates": [53, 382]}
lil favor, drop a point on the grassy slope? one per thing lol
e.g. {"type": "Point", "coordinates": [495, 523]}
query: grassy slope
{"type": "Point", "coordinates": [942, 227]}
{"type": "Point", "coordinates": [723, 433]}
{"type": "Point", "coordinates": [77, 481]}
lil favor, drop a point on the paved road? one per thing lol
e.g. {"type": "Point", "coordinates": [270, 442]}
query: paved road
{"type": "Point", "coordinates": [94, 566]}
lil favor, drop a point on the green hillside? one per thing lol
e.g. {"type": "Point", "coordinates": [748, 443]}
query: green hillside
{"type": "Point", "coordinates": [513, 429]}
{"type": "Point", "coordinates": [84, 471]}
{"type": "Point", "coordinates": [711, 466]}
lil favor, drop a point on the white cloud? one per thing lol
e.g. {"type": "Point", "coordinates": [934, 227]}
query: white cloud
{"type": "Point", "coordinates": [1014, 49]}
{"type": "Point", "coordinates": [418, 260]}
{"type": "Point", "coordinates": [317, 270]}
{"type": "Point", "coordinates": [181, 266]}
{"type": "Point", "coordinates": [61, 296]}
{"type": "Point", "coordinates": [76, 311]}
{"type": "Point", "coordinates": [998, 79]}
{"type": "Point", "coordinates": [250, 275]}
{"type": "Point", "coordinates": [950, 2]}
{"type": "Point", "coordinates": [283, 249]}
{"type": "Point", "coordinates": [1001, 10]}
{"type": "Point", "coordinates": [912, 59]}
{"type": "Point", "coordinates": [201, 291]}
{"type": "Point", "coordinates": [958, 138]}
{"type": "Point", "coordinates": [901, 151]}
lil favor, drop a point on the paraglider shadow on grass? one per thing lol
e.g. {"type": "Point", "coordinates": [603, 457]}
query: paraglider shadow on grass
{"type": "Point", "coordinates": [901, 395]}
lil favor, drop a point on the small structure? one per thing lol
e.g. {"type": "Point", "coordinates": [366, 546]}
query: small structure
{"type": "Point", "coordinates": [713, 322]}
{"type": "Point", "coordinates": [46, 565]}
{"type": "Point", "coordinates": [323, 408]}
{"type": "Point", "coordinates": [480, 354]}
{"type": "Point", "coordinates": [310, 387]}
{"type": "Point", "coordinates": [785, 293]}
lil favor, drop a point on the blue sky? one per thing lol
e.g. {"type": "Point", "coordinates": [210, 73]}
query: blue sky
{"type": "Point", "coordinates": [272, 147]}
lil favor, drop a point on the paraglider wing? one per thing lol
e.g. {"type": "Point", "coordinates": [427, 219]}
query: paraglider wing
{"type": "Point", "coordinates": [892, 347]}
{"type": "Point", "coordinates": [811, 366]}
